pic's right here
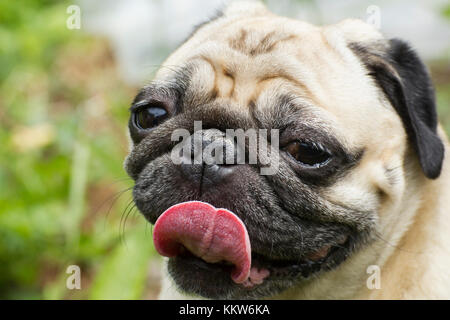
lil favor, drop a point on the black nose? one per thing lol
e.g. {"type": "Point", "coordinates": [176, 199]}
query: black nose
{"type": "Point", "coordinates": [215, 173]}
{"type": "Point", "coordinates": [205, 167]}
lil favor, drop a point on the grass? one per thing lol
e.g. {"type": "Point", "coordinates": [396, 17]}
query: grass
{"type": "Point", "coordinates": [63, 111]}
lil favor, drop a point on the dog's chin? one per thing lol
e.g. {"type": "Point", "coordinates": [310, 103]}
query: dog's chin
{"type": "Point", "coordinates": [194, 276]}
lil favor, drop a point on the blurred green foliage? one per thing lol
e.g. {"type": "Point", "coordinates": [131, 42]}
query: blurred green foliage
{"type": "Point", "coordinates": [63, 113]}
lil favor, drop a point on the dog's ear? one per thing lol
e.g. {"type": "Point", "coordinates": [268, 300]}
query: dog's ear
{"type": "Point", "coordinates": [406, 83]}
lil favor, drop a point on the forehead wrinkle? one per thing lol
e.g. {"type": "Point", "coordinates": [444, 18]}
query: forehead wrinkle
{"type": "Point", "coordinates": [282, 110]}
{"type": "Point", "coordinates": [249, 76]}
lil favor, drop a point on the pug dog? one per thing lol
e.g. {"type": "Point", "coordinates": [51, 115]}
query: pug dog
{"type": "Point", "coordinates": [361, 188]}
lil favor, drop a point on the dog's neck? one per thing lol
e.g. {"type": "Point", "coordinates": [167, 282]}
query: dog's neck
{"type": "Point", "coordinates": [418, 267]}
{"type": "Point", "coordinates": [412, 250]}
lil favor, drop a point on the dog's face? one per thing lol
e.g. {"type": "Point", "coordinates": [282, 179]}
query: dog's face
{"type": "Point", "coordinates": [349, 132]}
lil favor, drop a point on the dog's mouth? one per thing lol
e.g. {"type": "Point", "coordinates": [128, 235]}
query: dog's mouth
{"type": "Point", "coordinates": [213, 244]}
{"type": "Point", "coordinates": [264, 268]}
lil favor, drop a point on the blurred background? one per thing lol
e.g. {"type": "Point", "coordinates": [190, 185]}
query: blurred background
{"type": "Point", "coordinates": [64, 96]}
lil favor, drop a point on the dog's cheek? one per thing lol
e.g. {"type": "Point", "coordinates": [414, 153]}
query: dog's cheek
{"type": "Point", "coordinates": [356, 192]}
{"type": "Point", "coordinates": [377, 185]}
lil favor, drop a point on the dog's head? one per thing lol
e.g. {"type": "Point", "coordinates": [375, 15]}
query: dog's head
{"type": "Point", "coordinates": [353, 113]}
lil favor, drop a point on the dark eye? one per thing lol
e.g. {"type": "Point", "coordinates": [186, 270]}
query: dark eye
{"type": "Point", "coordinates": [150, 116]}
{"type": "Point", "coordinates": [309, 154]}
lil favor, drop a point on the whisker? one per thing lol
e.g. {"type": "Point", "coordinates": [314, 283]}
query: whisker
{"type": "Point", "coordinates": [114, 199]}
{"type": "Point", "coordinates": [123, 215]}
{"type": "Point", "coordinates": [121, 180]}
{"type": "Point", "coordinates": [396, 247]}
{"type": "Point", "coordinates": [130, 212]}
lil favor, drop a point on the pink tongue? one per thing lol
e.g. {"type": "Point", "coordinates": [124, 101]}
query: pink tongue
{"type": "Point", "coordinates": [209, 233]}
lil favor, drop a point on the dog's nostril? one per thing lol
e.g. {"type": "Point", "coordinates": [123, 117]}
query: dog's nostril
{"type": "Point", "coordinates": [216, 172]}
{"type": "Point", "coordinates": [208, 161]}
{"type": "Point", "coordinates": [207, 174]}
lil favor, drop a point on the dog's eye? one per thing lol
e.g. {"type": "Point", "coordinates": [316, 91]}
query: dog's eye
{"type": "Point", "coordinates": [150, 116]}
{"type": "Point", "coordinates": [309, 154]}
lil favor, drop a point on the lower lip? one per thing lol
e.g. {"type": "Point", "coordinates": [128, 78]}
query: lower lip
{"type": "Point", "coordinates": [264, 269]}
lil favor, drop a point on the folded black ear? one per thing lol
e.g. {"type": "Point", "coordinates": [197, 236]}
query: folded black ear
{"type": "Point", "coordinates": [405, 81]}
